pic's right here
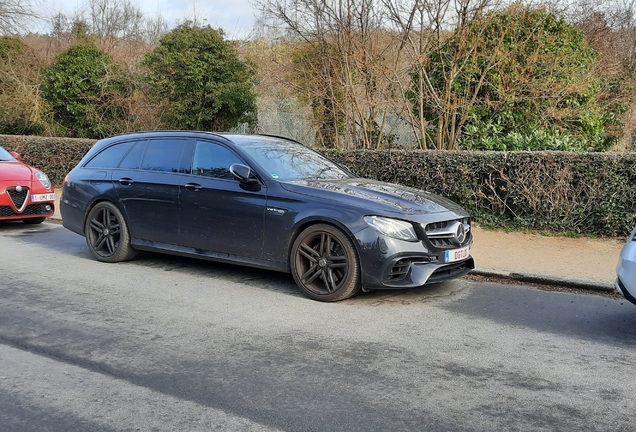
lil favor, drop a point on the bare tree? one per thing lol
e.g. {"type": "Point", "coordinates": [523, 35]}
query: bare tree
{"type": "Point", "coordinates": [154, 28]}
{"type": "Point", "coordinates": [424, 26]}
{"type": "Point", "coordinates": [115, 19]}
{"type": "Point", "coordinates": [343, 49]}
{"type": "Point", "coordinates": [13, 16]}
{"type": "Point", "coordinates": [365, 56]}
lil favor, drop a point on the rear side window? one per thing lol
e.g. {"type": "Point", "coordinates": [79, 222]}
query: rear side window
{"type": "Point", "coordinates": [164, 155]}
{"type": "Point", "coordinates": [110, 156]}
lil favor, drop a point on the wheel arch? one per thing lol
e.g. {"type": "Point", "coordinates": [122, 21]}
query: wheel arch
{"type": "Point", "coordinates": [101, 199]}
{"type": "Point", "coordinates": [316, 220]}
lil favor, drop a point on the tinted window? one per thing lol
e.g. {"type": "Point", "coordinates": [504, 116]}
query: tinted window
{"type": "Point", "coordinates": [164, 155]}
{"type": "Point", "coordinates": [5, 155]}
{"type": "Point", "coordinates": [289, 160]}
{"type": "Point", "coordinates": [110, 156]}
{"type": "Point", "coordinates": [213, 160]}
{"type": "Point", "coordinates": [133, 159]}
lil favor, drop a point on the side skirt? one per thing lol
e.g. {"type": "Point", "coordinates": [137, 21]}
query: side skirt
{"type": "Point", "coordinates": [171, 249]}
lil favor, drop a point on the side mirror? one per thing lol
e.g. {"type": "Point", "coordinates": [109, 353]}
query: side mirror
{"type": "Point", "coordinates": [16, 155]}
{"type": "Point", "coordinates": [243, 174]}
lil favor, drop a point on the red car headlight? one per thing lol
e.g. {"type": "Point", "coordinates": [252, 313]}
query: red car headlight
{"type": "Point", "coordinates": [43, 178]}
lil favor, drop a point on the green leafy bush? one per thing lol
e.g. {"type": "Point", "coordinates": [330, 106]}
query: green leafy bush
{"type": "Point", "coordinates": [203, 83]}
{"type": "Point", "coordinates": [490, 136]}
{"type": "Point", "coordinates": [517, 78]}
{"type": "Point", "coordinates": [87, 92]}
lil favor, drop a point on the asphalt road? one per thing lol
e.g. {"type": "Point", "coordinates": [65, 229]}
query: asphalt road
{"type": "Point", "coordinates": [167, 343]}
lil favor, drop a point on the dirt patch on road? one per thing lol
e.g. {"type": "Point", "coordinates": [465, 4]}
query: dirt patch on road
{"type": "Point", "coordinates": [509, 281]}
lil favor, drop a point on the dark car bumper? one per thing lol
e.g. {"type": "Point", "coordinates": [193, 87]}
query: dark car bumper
{"type": "Point", "coordinates": [72, 215]}
{"type": "Point", "coordinates": [387, 263]}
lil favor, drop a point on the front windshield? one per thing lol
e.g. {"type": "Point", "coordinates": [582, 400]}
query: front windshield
{"type": "Point", "coordinates": [287, 160]}
{"type": "Point", "coordinates": [5, 155]}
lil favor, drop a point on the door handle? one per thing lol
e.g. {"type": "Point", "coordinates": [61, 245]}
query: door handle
{"type": "Point", "coordinates": [125, 181]}
{"type": "Point", "coordinates": [193, 187]}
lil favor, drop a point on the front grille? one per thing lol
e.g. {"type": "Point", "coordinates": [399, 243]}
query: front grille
{"type": "Point", "coordinates": [31, 210]}
{"type": "Point", "coordinates": [18, 197]}
{"type": "Point", "coordinates": [436, 226]}
{"type": "Point", "coordinates": [442, 243]}
{"type": "Point", "coordinates": [6, 211]}
{"type": "Point", "coordinates": [442, 236]}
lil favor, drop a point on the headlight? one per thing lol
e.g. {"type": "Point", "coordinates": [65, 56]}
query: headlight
{"type": "Point", "coordinates": [395, 228]}
{"type": "Point", "coordinates": [43, 179]}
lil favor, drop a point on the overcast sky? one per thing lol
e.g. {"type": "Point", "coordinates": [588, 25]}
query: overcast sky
{"type": "Point", "coordinates": [235, 17]}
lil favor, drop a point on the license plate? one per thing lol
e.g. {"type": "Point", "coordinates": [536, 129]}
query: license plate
{"type": "Point", "coordinates": [456, 254]}
{"type": "Point", "coordinates": [43, 197]}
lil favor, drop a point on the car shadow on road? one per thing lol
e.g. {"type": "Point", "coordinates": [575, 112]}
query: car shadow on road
{"type": "Point", "coordinates": [53, 236]}
{"type": "Point", "coordinates": [284, 282]}
{"type": "Point", "coordinates": [21, 227]}
{"type": "Point", "coordinates": [586, 316]}
{"type": "Point", "coordinates": [265, 279]}
{"type": "Point", "coordinates": [48, 235]}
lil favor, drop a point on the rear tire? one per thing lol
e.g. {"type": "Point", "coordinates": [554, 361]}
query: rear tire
{"type": "Point", "coordinates": [107, 234]}
{"type": "Point", "coordinates": [325, 264]}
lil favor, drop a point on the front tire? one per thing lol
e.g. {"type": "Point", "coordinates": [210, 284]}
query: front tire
{"type": "Point", "coordinates": [107, 234]}
{"type": "Point", "coordinates": [325, 264]}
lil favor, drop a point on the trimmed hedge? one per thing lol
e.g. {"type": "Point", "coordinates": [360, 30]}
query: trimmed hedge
{"type": "Point", "coordinates": [55, 156]}
{"type": "Point", "coordinates": [591, 193]}
{"type": "Point", "coordinates": [588, 193]}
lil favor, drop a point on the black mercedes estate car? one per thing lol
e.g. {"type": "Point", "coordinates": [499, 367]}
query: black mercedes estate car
{"type": "Point", "coordinates": [266, 202]}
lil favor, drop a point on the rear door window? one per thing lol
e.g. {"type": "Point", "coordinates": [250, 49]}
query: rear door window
{"type": "Point", "coordinates": [133, 159]}
{"type": "Point", "coordinates": [165, 155]}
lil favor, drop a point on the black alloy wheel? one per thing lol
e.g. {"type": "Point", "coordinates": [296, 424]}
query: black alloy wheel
{"type": "Point", "coordinates": [324, 263]}
{"type": "Point", "coordinates": [107, 234]}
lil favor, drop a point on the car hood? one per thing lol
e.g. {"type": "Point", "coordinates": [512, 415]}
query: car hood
{"type": "Point", "coordinates": [15, 171]}
{"type": "Point", "coordinates": [376, 195]}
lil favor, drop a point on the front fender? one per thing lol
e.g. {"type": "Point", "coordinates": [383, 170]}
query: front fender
{"type": "Point", "coordinates": [284, 221]}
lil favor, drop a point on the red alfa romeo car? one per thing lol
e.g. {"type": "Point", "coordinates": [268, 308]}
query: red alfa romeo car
{"type": "Point", "coordinates": [26, 193]}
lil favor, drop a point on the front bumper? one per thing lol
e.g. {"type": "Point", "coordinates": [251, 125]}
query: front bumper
{"type": "Point", "coordinates": [23, 207]}
{"type": "Point", "coordinates": [32, 211]}
{"type": "Point", "coordinates": [388, 263]}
